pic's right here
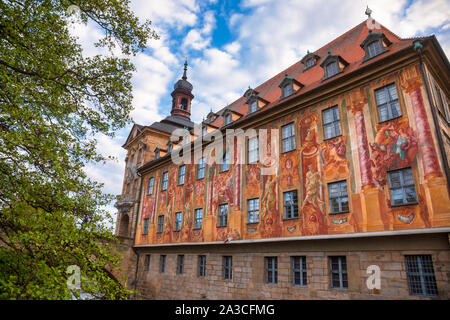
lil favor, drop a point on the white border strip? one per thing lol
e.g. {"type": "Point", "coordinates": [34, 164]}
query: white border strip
{"type": "Point", "coordinates": [317, 237]}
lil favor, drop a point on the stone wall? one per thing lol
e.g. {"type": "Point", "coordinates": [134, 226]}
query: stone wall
{"type": "Point", "coordinates": [248, 280]}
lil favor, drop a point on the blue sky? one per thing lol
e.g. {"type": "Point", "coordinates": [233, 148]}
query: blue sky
{"type": "Point", "coordinates": [235, 44]}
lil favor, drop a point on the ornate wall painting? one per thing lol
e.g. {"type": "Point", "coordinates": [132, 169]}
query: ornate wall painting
{"type": "Point", "coordinates": [313, 205]}
{"type": "Point", "coordinates": [333, 157]}
{"type": "Point", "coordinates": [395, 147]}
{"type": "Point", "coordinates": [270, 220]}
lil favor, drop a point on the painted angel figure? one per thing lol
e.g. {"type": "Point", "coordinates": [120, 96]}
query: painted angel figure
{"type": "Point", "coordinates": [313, 185]}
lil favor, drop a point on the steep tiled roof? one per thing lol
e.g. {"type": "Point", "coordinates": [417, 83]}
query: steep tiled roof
{"type": "Point", "coordinates": [347, 46]}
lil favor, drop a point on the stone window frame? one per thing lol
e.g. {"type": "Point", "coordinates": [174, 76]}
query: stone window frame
{"type": "Point", "coordinates": [271, 270]}
{"type": "Point", "coordinates": [180, 264]}
{"type": "Point", "coordinates": [147, 263]}
{"type": "Point", "coordinates": [227, 267]}
{"type": "Point", "coordinates": [421, 267]}
{"type": "Point", "coordinates": [301, 270]}
{"type": "Point", "coordinates": [341, 271]}
{"type": "Point", "coordinates": [250, 152]}
{"type": "Point", "coordinates": [201, 266]}
{"type": "Point", "coordinates": [162, 263]}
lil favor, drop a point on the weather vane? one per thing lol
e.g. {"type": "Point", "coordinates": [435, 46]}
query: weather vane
{"type": "Point", "coordinates": [368, 11]}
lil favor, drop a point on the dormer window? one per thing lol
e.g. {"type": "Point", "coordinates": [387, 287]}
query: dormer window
{"type": "Point", "coordinates": [374, 49]}
{"type": "Point", "coordinates": [333, 65]}
{"type": "Point", "coordinates": [204, 131]}
{"type": "Point", "coordinates": [287, 90]}
{"type": "Point", "coordinates": [331, 69]}
{"type": "Point", "coordinates": [309, 60]}
{"type": "Point", "coordinates": [374, 44]}
{"type": "Point", "coordinates": [253, 106]}
{"type": "Point", "coordinates": [157, 155]}
{"type": "Point", "coordinates": [309, 63]}
{"type": "Point", "coordinates": [289, 86]}
{"type": "Point", "coordinates": [228, 118]}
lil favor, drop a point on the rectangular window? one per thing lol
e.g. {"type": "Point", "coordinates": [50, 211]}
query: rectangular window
{"type": "Point", "coordinates": [162, 263]}
{"type": "Point", "coordinates": [180, 264]}
{"type": "Point", "coordinates": [150, 185]}
{"type": "Point", "coordinates": [145, 230]}
{"type": "Point", "coordinates": [147, 263]}
{"type": "Point", "coordinates": [135, 187]}
{"type": "Point", "coordinates": [337, 192]}
{"type": "Point", "coordinates": [160, 224]}
{"type": "Point", "coordinates": [204, 131]}
{"type": "Point", "coordinates": [387, 103]}
{"type": "Point", "coordinates": [253, 210]}
{"type": "Point", "coordinates": [253, 150]}
{"type": "Point", "coordinates": [225, 163]}
{"type": "Point", "coordinates": [201, 266]}
{"type": "Point", "coordinates": [128, 189]}
{"type": "Point", "coordinates": [223, 215]}
{"type": "Point", "coordinates": [177, 221]}
{"type": "Point", "coordinates": [227, 263]}
{"type": "Point", "coordinates": [253, 106]}
{"type": "Point", "coordinates": [198, 218]}
{"type": "Point", "coordinates": [228, 118]}
{"type": "Point", "coordinates": [181, 174]}
{"type": "Point", "coordinates": [287, 90]}
{"type": "Point", "coordinates": [271, 270]}
{"type": "Point", "coordinates": [338, 268]}
{"type": "Point", "coordinates": [445, 105]}
{"type": "Point", "coordinates": [420, 274]}
{"type": "Point", "coordinates": [290, 204]}
{"type": "Point", "coordinates": [288, 137]}
{"type": "Point", "coordinates": [139, 156]}
{"type": "Point", "coordinates": [332, 69]}
{"type": "Point", "coordinates": [164, 182]}
{"type": "Point", "coordinates": [201, 169]}
{"type": "Point", "coordinates": [298, 265]}
{"type": "Point", "coordinates": [374, 49]}
{"type": "Point", "coordinates": [402, 187]}
{"type": "Point", "coordinates": [331, 123]}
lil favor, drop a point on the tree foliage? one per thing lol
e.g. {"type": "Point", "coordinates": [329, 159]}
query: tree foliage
{"type": "Point", "coordinates": [53, 100]}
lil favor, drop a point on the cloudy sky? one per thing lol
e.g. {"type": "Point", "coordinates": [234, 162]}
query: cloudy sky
{"type": "Point", "coordinates": [235, 44]}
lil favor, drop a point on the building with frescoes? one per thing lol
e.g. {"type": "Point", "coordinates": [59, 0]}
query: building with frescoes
{"type": "Point", "coordinates": [361, 179]}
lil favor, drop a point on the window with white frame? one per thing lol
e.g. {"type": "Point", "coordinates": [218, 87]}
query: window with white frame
{"type": "Point", "coordinates": [223, 215]}
{"type": "Point", "coordinates": [253, 210]}
{"type": "Point", "coordinates": [198, 218]}
{"type": "Point", "coordinates": [253, 150]}
{"type": "Point", "coordinates": [337, 192]}
{"type": "Point", "coordinates": [150, 185]}
{"type": "Point", "coordinates": [402, 187]}
{"type": "Point", "coordinates": [288, 137]}
{"type": "Point", "coordinates": [177, 221]}
{"type": "Point", "coordinates": [164, 180]}
{"type": "Point", "coordinates": [201, 168]}
{"type": "Point", "coordinates": [331, 123]}
{"type": "Point", "coordinates": [290, 204]}
{"type": "Point", "coordinates": [181, 174]}
{"type": "Point", "coordinates": [387, 103]}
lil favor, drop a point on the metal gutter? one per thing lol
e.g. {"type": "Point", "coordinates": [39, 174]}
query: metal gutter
{"type": "Point", "coordinates": [306, 238]}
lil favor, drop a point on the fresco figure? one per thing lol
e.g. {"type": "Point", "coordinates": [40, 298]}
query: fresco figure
{"type": "Point", "coordinates": [313, 186]}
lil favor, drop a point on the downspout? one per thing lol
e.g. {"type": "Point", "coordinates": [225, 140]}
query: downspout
{"type": "Point", "coordinates": [418, 48]}
{"type": "Point", "coordinates": [134, 236]}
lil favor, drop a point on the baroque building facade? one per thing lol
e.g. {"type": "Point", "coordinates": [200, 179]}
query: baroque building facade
{"type": "Point", "coordinates": [359, 188]}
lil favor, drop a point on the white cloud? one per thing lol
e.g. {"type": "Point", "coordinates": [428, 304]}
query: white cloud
{"type": "Point", "coordinates": [199, 39]}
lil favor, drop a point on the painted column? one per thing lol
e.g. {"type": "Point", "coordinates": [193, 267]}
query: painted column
{"type": "Point", "coordinates": [412, 84]}
{"type": "Point", "coordinates": [358, 102]}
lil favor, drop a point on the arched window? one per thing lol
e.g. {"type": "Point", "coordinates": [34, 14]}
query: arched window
{"type": "Point", "coordinates": [184, 103]}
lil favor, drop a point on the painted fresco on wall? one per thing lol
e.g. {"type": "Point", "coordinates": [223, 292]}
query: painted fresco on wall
{"type": "Point", "coordinates": [313, 205]}
{"type": "Point", "coordinates": [332, 154]}
{"type": "Point", "coordinates": [270, 213]}
{"type": "Point", "coordinates": [395, 147]}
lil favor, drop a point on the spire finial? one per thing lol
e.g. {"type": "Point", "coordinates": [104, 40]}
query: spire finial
{"type": "Point", "coordinates": [185, 68]}
{"type": "Point", "coordinates": [368, 12]}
